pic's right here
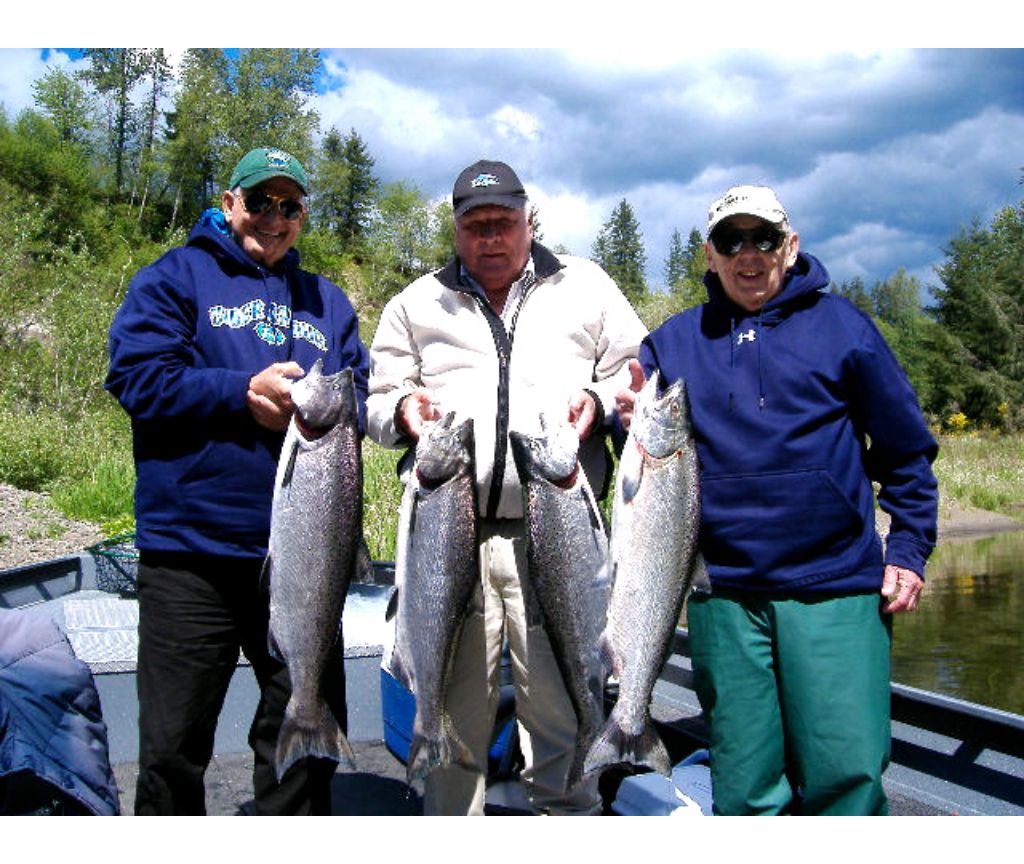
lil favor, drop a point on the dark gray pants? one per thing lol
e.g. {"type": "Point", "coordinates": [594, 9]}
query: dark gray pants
{"type": "Point", "coordinates": [195, 613]}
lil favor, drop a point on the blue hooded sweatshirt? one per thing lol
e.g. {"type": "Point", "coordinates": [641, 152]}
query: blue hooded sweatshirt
{"type": "Point", "coordinates": [796, 409]}
{"type": "Point", "coordinates": [194, 327]}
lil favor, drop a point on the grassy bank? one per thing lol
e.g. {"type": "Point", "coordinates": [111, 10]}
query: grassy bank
{"type": "Point", "coordinates": [86, 466]}
{"type": "Point", "coordinates": [983, 471]}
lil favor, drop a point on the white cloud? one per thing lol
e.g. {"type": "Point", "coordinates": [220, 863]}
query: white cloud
{"type": "Point", "coordinates": [511, 123]}
{"type": "Point", "coordinates": [19, 68]}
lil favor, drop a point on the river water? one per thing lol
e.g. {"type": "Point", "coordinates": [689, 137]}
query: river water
{"type": "Point", "coordinates": [966, 638]}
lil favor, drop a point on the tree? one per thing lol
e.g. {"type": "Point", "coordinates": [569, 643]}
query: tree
{"type": "Point", "coordinates": [158, 71]}
{"type": "Point", "coordinates": [195, 134]}
{"type": "Point", "coordinates": [269, 106]}
{"type": "Point", "coordinates": [619, 249]}
{"type": "Point", "coordinates": [897, 300]}
{"type": "Point", "coordinates": [401, 240]}
{"type": "Point", "coordinates": [60, 97]}
{"type": "Point", "coordinates": [346, 188]}
{"type": "Point", "coordinates": [114, 72]}
{"type": "Point", "coordinates": [856, 292]}
{"type": "Point", "coordinates": [980, 305]}
{"type": "Point", "coordinates": [675, 263]}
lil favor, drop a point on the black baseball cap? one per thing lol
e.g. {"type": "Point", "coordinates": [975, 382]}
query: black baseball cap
{"type": "Point", "coordinates": [487, 182]}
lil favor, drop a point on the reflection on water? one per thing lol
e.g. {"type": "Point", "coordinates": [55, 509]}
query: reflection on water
{"type": "Point", "coordinates": [965, 639]}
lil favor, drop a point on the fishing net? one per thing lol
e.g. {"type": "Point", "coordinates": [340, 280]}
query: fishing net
{"type": "Point", "coordinates": [117, 563]}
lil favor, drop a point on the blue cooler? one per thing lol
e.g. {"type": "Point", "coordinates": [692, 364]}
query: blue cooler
{"type": "Point", "coordinates": [398, 705]}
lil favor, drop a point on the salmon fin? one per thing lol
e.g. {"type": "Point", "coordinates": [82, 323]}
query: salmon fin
{"type": "Point", "coordinates": [392, 609]}
{"type": "Point", "coordinates": [322, 740]}
{"type": "Point", "coordinates": [632, 470]}
{"type": "Point", "coordinates": [617, 746]}
{"type": "Point", "coordinates": [700, 581]}
{"type": "Point", "coordinates": [426, 755]}
{"type": "Point", "coordinates": [362, 564]}
{"type": "Point", "coordinates": [286, 478]}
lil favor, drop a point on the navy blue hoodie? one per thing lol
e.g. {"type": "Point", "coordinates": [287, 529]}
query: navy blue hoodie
{"type": "Point", "coordinates": [797, 408]}
{"type": "Point", "coordinates": [194, 327]}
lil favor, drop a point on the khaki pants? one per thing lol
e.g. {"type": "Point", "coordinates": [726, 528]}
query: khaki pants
{"type": "Point", "coordinates": [547, 724]}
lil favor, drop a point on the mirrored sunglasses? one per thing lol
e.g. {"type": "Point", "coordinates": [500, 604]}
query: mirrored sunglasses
{"type": "Point", "coordinates": [729, 241]}
{"type": "Point", "coordinates": [258, 203]}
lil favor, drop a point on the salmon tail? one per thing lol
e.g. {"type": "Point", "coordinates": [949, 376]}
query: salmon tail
{"type": "Point", "coordinates": [426, 754]}
{"type": "Point", "coordinates": [577, 769]}
{"type": "Point", "coordinates": [323, 740]}
{"type": "Point", "coordinates": [616, 746]}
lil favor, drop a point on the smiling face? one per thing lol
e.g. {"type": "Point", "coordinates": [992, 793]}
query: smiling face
{"type": "Point", "coordinates": [265, 237]}
{"type": "Point", "coordinates": [751, 278]}
{"type": "Point", "coordinates": [494, 244]}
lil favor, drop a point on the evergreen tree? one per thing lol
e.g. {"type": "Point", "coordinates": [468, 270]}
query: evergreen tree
{"type": "Point", "coordinates": [684, 270]}
{"type": "Point", "coordinates": [345, 188]}
{"type": "Point", "coordinates": [675, 263]}
{"type": "Point", "coordinates": [980, 305]}
{"type": "Point", "coordinates": [620, 251]}
{"type": "Point", "coordinates": [693, 292]}
{"type": "Point", "coordinates": [856, 292]}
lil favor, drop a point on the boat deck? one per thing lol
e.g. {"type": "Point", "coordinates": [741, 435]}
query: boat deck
{"type": "Point", "coordinates": [948, 756]}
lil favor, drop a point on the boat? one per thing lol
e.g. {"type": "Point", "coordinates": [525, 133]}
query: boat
{"type": "Point", "coordinates": [949, 756]}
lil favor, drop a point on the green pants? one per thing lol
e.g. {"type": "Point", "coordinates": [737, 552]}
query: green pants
{"type": "Point", "coordinates": [797, 695]}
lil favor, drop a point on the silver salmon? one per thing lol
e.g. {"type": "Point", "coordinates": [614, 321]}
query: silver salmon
{"type": "Point", "coordinates": [315, 540]}
{"type": "Point", "coordinates": [436, 572]}
{"type": "Point", "coordinates": [567, 554]}
{"type": "Point", "coordinates": [655, 558]}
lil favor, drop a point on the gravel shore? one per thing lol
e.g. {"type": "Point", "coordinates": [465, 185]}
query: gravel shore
{"type": "Point", "coordinates": [32, 530]}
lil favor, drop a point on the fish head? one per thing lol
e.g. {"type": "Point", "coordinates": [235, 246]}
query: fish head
{"type": "Point", "coordinates": [661, 421]}
{"type": "Point", "coordinates": [553, 455]}
{"type": "Point", "coordinates": [444, 450]}
{"type": "Point", "coordinates": [322, 401]}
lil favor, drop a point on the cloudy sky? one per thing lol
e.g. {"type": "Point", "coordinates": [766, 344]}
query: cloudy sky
{"type": "Point", "coordinates": [880, 155]}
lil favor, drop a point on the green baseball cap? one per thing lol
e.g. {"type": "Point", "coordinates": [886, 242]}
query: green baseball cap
{"type": "Point", "coordinates": [262, 164]}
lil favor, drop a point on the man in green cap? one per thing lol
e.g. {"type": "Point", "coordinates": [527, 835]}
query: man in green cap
{"type": "Point", "coordinates": [203, 354]}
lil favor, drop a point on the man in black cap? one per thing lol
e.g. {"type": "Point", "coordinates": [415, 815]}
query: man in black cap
{"type": "Point", "coordinates": [505, 331]}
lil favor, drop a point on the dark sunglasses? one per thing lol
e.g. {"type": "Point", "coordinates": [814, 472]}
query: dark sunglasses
{"type": "Point", "coordinates": [729, 241]}
{"type": "Point", "coordinates": [258, 203]}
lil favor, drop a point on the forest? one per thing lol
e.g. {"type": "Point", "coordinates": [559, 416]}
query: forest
{"type": "Point", "coordinates": [101, 176]}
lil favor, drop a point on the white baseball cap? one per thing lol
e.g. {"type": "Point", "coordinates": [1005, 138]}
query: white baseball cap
{"type": "Point", "coordinates": [757, 201]}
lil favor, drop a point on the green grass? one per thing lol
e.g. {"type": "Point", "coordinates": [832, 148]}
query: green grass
{"type": "Point", "coordinates": [382, 495]}
{"type": "Point", "coordinates": [984, 471]}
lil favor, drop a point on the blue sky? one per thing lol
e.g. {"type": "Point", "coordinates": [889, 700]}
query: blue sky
{"type": "Point", "coordinates": [880, 154]}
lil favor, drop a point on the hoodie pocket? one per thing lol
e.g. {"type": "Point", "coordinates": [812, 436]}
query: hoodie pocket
{"type": "Point", "coordinates": [766, 522]}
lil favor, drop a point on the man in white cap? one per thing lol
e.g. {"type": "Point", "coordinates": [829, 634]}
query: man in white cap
{"type": "Point", "coordinates": [798, 407]}
{"type": "Point", "coordinates": [505, 330]}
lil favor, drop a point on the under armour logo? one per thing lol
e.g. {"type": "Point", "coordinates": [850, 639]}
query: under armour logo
{"type": "Point", "coordinates": [749, 336]}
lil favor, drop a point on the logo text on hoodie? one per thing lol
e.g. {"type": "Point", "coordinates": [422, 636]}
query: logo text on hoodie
{"type": "Point", "coordinates": [271, 326]}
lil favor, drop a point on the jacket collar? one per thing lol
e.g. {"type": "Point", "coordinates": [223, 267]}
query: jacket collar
{"type": "Point", "coordinates": [545, 264]}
